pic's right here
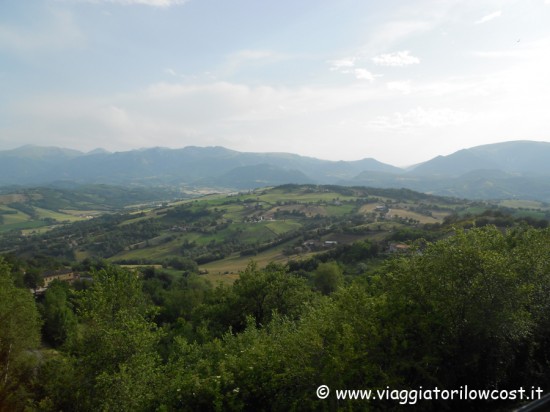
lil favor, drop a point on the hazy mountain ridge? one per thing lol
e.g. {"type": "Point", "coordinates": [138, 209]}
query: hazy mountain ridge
{"type": "Point", "coordinates": [501, 170]}
{"type": "Point", "coordinates": [521, 157]}
{"type": "Point", "coordinates": [170, 166]}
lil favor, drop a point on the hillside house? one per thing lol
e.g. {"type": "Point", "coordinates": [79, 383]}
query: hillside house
{"type": "Point", "coordinates": [398, 248]}
{"type": "Point", "coordinates": [63, 275]}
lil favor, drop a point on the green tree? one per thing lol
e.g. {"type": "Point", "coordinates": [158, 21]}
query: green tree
{"type": "Point", "coordinates": [19, 333]}
{"type": "Point", "coordinates": [60, 322]}
{"type": "Point", "coordinates": [328, 277]}
{"type": "Point", "coordinates": [457, 311]}
{"type": "Point", "coordinates": [257, 293]}
{"type": "Point", "coordinates": [116, 358]}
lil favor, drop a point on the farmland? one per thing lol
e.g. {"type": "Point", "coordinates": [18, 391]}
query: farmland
{"type": "Point", "coordinates": [222, 233]}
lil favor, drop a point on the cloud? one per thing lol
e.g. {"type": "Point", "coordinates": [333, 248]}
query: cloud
{"type": "Point", "coordinates": [489, 17]}
{"type": "Point", "coordinates": [342, 64]}
{"type": "Point", "coordinates": [421, 117]}
{"type": "Point", "coordinates": [152, 3]}
{"type": "Point", "coordinates": [174, 114]}
{"type": "Point", "coordinates": [363, 74]}
{"type": "Point", "coordinates": [348, 66]}
{"type": "Point", "coordinates": [400, 58]}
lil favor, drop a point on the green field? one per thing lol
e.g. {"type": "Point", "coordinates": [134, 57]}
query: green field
{"type": "Point", "coordinates": [227, 231]}
{"type": "Point", "coordinates": [14, 219]}
{"type": "Point", "coordinates": [526, 204]}
{"type": "Point", "coordinates": [236, 263]}
{"type": "Point", "coordinates": [13, 216]}
{"type": "Point", "coordinates": [59, 216]}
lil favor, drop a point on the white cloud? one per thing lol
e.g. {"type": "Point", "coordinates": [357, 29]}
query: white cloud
{"type": "Point", "coordinates": [420, 117]}
{"type": "Point", "coordinates": [363, 74]}
{"type": "Point", "coordinates": [489, 17]}
{"type": "Point", "coordinates": [179, 114]}
{"type": "Point", "coordinates": [342, 64]}
{"type": "Point", "coordinates": [400, 58]}
{"type": "Point", "coordinates": [348, 66]}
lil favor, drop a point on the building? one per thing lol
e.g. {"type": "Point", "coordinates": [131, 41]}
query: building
{"type": "Point", "coordinates": [63, 275]}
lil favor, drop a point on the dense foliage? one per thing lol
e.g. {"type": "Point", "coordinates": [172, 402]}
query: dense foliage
{"type": "Point", "coordinates": [471, 309]}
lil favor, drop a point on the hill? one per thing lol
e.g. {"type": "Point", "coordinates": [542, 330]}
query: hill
{"type": "Point", "coordinates": [223, 232]}
{"type": "Point", "coordinates": [44, 208]}
{"type": "Point", "coordinates": [516, 157]}
{"type": "Point", "coordinates": [188, 166]}
{"type": "Point", "coordinates": [510, 170]}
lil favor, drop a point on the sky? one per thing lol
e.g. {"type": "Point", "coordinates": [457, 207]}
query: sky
{"type": "Point", "coordinates": [398, 81]}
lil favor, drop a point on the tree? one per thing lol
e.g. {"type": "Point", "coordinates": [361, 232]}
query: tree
{"type": "Point", "coordinates": [59, 319]}
{"type": "Point", "coordinates": [258, 293]}
{"type": "Point", "coordinates": [328, 277]}
{"type": "Point", "coordinates": [19, 333]}
{"type": "Point", "coordinates": [116, 358]}
{"type": "Point", "coordinates": [457, 311]}
{"type": "Point", "coordinates": [261, 292]}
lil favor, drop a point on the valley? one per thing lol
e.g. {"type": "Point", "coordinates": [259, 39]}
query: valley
{"type": "Point", "coordinates": [222, 233]}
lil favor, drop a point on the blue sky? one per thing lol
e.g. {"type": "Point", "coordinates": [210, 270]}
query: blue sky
{"type": "Point", "coordinates": [400, 81]}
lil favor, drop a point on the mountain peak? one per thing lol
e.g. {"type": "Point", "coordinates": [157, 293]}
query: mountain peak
{"type": "Point", "coordinates": [41, 152]}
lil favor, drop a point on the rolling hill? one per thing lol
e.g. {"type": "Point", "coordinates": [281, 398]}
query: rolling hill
{"type": "Point", "coordinates": [509, 170]}
{"type": "Point", "coordinates": [516, 157]}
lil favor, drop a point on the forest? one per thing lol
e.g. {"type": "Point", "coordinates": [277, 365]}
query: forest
{"type": "Point", "coordinates": [470, 309]}
{"type": "Point", "coordinates": [211, 205]}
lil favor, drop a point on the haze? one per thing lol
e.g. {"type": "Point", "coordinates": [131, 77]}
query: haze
{"type": "Point", "coordinates": [399, 81]}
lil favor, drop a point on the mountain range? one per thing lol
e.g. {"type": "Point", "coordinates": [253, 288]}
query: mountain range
{"type": "Point", "coordinates": [516, 169]}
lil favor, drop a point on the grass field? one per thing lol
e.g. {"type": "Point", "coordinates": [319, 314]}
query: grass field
{"type": "Point", "coordinates": [407, 214]}
{"type": "Point", "coordinates": [236, 263]}
{"type": "Point", "coordinates": [161, 251]}
{"type": "Point", "coordinates": [526, 204]}
{"type": "Point", "coordinates": [300, 194]}
{"type": "Point", "coordinates": [11, 218]}
{"type": "Point", "coordinates": [60, 217]}
{"type": "Point", "coordinates": [12, 198]}
{"type": "Point", "coordinates": [283, 226]}
{"type": "Point", "coordinates": [24, 222]}
{"type": "Point", "coordinates": [37, 230]}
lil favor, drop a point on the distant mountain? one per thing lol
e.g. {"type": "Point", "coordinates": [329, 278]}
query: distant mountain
{"type": "Point", "coordinates": [252, 177]}
{"type": "Point", "coordinates": [187, 166]}
{"type": "Point", "coordinates": [40, 152]}
{"type": "Point", "coordinates": [28, 164]}
{"type": "Point", "coordinates": [518, 169]}
{"type": "Point", "coordinates": [99, 150]}
{"type": "Point", "coordinates": [517, 157]}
